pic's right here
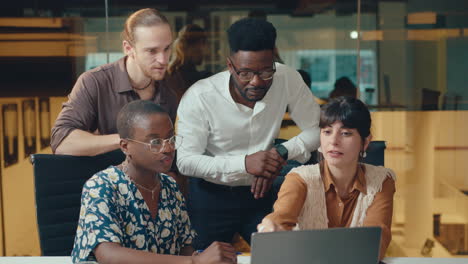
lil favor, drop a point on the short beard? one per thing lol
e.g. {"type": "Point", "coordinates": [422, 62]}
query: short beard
{"type": "Point", "coordinates": [156, 77]}
{"type": "Point", "coordinates": [243, 93]}
{"type": "Point", "coordinates": [147, 72]}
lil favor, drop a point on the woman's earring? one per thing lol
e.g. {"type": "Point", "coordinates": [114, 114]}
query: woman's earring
{"type": "Point", "coordinates": [319, 149]}
{"type": "Point", "coordinates": [363, 154]}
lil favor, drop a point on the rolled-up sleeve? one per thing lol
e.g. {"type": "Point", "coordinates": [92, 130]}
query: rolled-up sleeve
{"type": "Point", "coordinates": [79, 112]}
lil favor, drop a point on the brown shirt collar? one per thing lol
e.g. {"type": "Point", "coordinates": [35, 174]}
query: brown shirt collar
{"type": "Point", "coordinates": [359, 181]}
{"type": "Point", "coordinates": [123, 81]}
{"type": "Point", "coordinates": [124, 85]}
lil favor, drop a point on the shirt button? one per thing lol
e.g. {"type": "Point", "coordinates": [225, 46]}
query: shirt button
{"type": "Point", "coordinates": [340, 204]}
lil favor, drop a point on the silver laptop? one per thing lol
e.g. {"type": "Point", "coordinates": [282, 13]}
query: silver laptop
{"type": "Point", "coordinates": [326, 246]}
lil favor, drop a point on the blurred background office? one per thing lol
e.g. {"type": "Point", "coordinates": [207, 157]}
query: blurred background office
{"type": "Point", "coordinates": [408, 60]}
{"type": "Point", "coordinates": [188, 52]}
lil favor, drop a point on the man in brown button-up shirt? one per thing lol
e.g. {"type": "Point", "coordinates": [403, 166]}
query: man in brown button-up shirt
{"type": "Point", "coordinates": [86, 125]}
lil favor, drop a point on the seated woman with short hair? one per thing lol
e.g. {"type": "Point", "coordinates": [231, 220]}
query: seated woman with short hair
{"type": "Point", "coordinates": [339, 191]}
{"type": "Point", "coordinates": [133, 212]}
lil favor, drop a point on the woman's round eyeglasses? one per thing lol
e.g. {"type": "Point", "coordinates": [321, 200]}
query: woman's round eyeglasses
{"type": "Point", "coordinates": [156, 145]}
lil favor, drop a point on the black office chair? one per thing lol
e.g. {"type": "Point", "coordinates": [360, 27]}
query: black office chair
{"type": "Point", "coordinates": [58, 181]}
{"type": "Point", "coordinates": [430, 99]}
{"type": "Point", "coordinates": [376, 153]}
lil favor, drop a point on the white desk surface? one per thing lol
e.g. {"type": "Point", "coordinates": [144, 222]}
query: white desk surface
{"type": "Point", "coordinates": [35, 260]}
{"type": "Point", "coordinates": [425, 260]}
{"type": "Point", "coordinates": [241, 260]}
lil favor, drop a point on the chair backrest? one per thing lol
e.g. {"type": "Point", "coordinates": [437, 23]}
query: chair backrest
{"type": "Point", "coordinates": [430, 99]}
{"type": "Point", "coordinates": [451, 101]}
{"type": "Point", "coordinates": [58, 181]}
{"type": "Point", "coordinates": [376, 153]}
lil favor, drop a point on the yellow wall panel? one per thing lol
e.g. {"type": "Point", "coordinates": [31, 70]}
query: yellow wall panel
{"type": "Point", "coordinates": [445, 166]}
{"type": "Point", "coordinates": [31, 22]}
{"type": "Point", "coordinates": [20, 214]}
{"type": "Point", "coordinates": [43, 49]}
{"type": "Point", "coordinates": [461, 170]}
{"type": "Point", "coordinates": [446, 131]}
{"type": "Point", "coordinates": [461, 126]}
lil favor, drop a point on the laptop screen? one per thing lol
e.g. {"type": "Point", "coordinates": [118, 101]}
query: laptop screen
{"type": "Point", "coordinates": [325, 246]}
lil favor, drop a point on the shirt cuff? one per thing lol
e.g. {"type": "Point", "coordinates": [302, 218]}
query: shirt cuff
{"type": "Point", "coordinates": [238, 164]}
{"type": "Point", "coordinates": [295, 151]}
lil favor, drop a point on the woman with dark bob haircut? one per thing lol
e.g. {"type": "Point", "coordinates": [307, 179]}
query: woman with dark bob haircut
{"type": "Point", "coordinates": [339, 191]}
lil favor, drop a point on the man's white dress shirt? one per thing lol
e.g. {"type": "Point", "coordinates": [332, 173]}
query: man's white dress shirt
{"type": "Point", "coordinates": [218, 133]}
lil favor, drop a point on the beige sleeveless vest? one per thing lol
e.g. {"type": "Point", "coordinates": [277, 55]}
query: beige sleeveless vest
{"type": "Point", "coordinates": [314, 212]}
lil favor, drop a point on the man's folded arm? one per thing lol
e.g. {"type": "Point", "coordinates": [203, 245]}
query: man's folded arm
{"type": "Point", "coordinates": [82, 143]}
{"type": "Point", "coordinates": [72, 132]}
{"type": "Point", "coordinates": [223, 169]}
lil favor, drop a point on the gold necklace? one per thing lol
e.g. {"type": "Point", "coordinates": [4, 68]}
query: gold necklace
{"type": "Point", "coordinates": [146, 189]}
{"type": "Point", "coordinates": [140, 89]}
{"type": "Point", "coordinates": [125, 171]}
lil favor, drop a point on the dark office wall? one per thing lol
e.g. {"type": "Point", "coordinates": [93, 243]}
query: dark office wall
{"type": "Point", "coordinates": [457, 69]}
{"type": "Point", "coordinates": [452, 11]}
{"type": "Point", "coordinates": [436, 5]}
{"type": "Point", "coordinates": [36, 76]}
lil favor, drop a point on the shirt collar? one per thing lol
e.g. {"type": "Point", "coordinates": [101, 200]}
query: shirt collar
{"type": "Point", "coordinates": [359, 181]}
{"type": "Point", "coordinates": [226, 75]}
{"type": "Point", "coordinates": [259, 105]}
{"type": "Point", "coordinates": [124, 85]}
{"type": "Point", "coordinates": [123, 81]}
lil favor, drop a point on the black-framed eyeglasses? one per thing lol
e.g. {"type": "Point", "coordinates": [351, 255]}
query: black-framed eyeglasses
{"type": "Point", "coordinates": [156, 145]}
{"type": "Point", "coordinates": [247, 76]}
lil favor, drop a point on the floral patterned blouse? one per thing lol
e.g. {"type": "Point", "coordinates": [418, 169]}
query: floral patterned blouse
{"type": "Point", "coordinates": [113, 210]}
